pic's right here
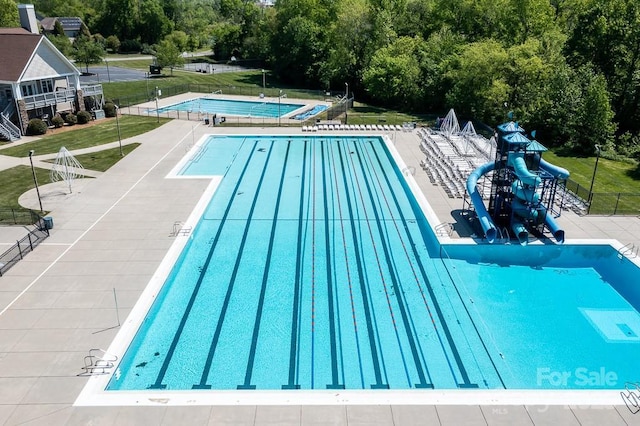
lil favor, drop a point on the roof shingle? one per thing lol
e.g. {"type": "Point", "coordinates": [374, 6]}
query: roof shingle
{"type": "Point", "coordinates": [16, 47]}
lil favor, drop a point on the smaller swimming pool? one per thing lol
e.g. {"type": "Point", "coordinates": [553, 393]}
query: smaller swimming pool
{"type": "Point", "coordinates": [310, 113]}
{"type": "Point", "coordinates": [263, 109]}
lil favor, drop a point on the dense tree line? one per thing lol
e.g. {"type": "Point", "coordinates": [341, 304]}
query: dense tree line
{"type": "Point", "coordinates": [570, 69]}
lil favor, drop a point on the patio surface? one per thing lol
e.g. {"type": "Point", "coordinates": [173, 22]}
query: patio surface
{"type": "Point", "coordinates": [111, 234]}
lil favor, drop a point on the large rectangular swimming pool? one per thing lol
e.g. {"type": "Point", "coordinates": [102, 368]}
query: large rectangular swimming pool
{"type": "Point", "coordinates": [313, 267]}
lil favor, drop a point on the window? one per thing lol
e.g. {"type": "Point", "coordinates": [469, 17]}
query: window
{"type": "Point", "coordinates": [28, 89]}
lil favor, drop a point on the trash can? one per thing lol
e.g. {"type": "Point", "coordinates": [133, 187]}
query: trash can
{"type": "Point", "coordinates": [48, 222]}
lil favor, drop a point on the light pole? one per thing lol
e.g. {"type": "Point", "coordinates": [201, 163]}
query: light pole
{"type": "Point", "coordinates": [593, 178]}
{"type": "Point", "coordinates": [157, 110]}
{"type": "Point", "coordinates": [279, 96]}
{"type": "Point", "coordinates": [118, 127]}
{"type": "Point", "coordinates": [108, 75]}
{"type": "Point", "coordinates": [346, 105]}
{"type": "Point", "coordinates": [35, 181]}
{"type": "Point", "coordinates": [264, 81]}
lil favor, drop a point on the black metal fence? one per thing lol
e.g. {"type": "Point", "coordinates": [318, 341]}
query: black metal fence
{"type": "Point", "coordinates": [619, 203]}
{"type": "Point", "coordinates": [137, 98]}
{"type": "Point", "coordinates": [24, 245]}
{"type": "Point", "coordinates": [610, 203]}
{"type": "Point", "coordinates": [10, 216]}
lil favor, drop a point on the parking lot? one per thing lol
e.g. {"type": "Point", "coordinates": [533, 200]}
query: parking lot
{"type": "Point", "coordinates": [103, 74]}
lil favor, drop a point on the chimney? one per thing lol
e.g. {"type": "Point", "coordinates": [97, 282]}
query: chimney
{"type": "Point", "coordinates": [28, 19]}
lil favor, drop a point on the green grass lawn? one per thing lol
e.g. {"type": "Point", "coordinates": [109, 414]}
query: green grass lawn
{"type": "Point", "coordinates": [248, 83]}
{"type": "Point", "coordinates": [366, 114]}
{"type": "Point", "coordinates": [615, 188]}
{"type": "Point", "coordinates": [99, 134]}
{"type": "Point", "coordinates": [18, 180]}
{"type": "Point", "coordinates": [102, 161]}
{"type": "Point", "coordinates": [136, 64]}
{"type": "Point", "coordinates": [611, 176]}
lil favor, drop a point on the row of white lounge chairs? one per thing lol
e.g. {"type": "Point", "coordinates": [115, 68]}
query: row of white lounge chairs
{"type": "Point", "coordinates": [443, 164]}
{"type": "Point", "coordinates": [370, 127]}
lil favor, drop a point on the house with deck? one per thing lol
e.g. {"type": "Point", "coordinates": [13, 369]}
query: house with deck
{"type": "Point", "coordinates": [37, 81]}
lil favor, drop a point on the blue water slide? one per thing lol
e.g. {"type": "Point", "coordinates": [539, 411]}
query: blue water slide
{"type": "Point", "coordinates": [516, 160]}
{"type": "Point", "coordinates": [556, 171]}
{"type": "Point", "coordinates": [520, 232]}
{"type": "Point", "coordinates": [554, 228]}
{"type": "Point", "coordinates": [559, 173]}
{"type": "Point", "coordinates": [488, 227]}
{"type": "Point", "coordinates": [527, 194]}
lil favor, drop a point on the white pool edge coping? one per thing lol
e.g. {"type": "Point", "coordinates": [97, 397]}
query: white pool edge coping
{"type": "Point", "coordinates": [94, 393]}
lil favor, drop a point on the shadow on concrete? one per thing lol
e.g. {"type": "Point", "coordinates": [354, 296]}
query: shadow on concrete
{"type": "Point", "coordinates": [465, 225]}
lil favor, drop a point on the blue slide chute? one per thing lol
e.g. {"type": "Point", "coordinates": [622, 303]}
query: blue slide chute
{"type": "Point", "coordinates": [488, 227]}
{"type": "Point", "coordinates": [556, 171]}
{"type": "Point", "coordinates": [516, 160]}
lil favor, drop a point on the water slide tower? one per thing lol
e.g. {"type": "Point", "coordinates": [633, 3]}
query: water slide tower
{"type": "Point", "coordinates": [523, 189]}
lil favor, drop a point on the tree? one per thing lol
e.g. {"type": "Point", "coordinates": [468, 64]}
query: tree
{"type": "Point", "coordinates": [225, 39]}
{"type": "Point", "coordinates": [478, 78]}
{"type": "Point", "coordinates": [351, 44]}
{"type": "Point", "coordinates": [153, 25]}
{"type": "Point", "coordinates": [112, 43]}
{"type": "Point", "coordinates": [298, 51]}
{"type": "Point", "coordinates": [62, 43]}
{"type": "Point", "coordinates": [63, 8]}
{"type": "Point", "coordinates": [180, 39]}
{"type": "Point", "coordinates": [58, 29]}
{"type": "Point", "coordinates": [86, 51]}
{"type": "Point", "coordinates": [168, 55]}
{"type": "Point", "coordinates": [608, 36]}
{"type": "Point", "coordinates": [9, 14]}
{"type": "Point", "coordinates": [119, 17]}
{"type": "Point", "coordinates": [394, 73]}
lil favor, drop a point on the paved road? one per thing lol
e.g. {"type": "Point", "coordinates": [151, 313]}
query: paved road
{"type": "Point", "coordinates": [111, 74]}
{"type": "Point", "coordinates": [103, 74]}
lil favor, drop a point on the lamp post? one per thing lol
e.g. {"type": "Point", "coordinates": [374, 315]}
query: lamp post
{"type": "Point", "coordinates": [264, 81]}
{"type": "Point", "coordinates": [279, 97]}
{"type": "Point", "coordinates": [118, 127]}
{"type": "Point", "coordinates": [108, 75]}
{"type": "Point", "coordinates": [35, 181]}
{"type": "Point", "coordinates": [346, 105]}
{"type": "Point", "coordinates": [593, 178]}
{"type": "Point", "coordinates": [157, 110]}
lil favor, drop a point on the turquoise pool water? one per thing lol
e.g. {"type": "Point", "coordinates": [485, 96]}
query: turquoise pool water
{"type": "Point", "coordinates": [210, 106]}
{"type": "Point", "coordinates": [313, 267]}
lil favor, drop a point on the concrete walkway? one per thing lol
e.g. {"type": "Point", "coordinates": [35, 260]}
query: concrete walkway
{"type": "Point", "coordinates": [112, 234]}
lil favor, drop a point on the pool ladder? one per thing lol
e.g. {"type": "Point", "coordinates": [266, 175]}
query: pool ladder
{"type": "Point", "coordinates": [629, 251]}
{"type": "Point", "coordinates": [503, 235]}
{"type": "Point", "coordinates": [180, 229]}
{"type": "Point", "coordinates": [444, 229]}
{"type": "Point", "coordinates": [98, 361]}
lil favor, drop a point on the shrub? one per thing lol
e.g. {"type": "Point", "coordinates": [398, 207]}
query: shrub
{"type": "Point", "coordinates": [147, 49]}
{"type": "Point", "coordinates": [36, 127]}
{"type": "Point", "coordinates": [84, 117]}
{"type": "Point", "coordinates": [109, 109]}
{"type": "Point", "coordinates": [71, 119]}
{"type": "Point", "coordinates": [57, 121]}
{"type": "Point", "coordinates": [130, 46]}
{"type": "Point", "coordinates": [112, 43]}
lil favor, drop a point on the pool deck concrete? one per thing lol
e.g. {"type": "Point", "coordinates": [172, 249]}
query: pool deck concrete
{"type": "Point", "coordinates": [109, 237]}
